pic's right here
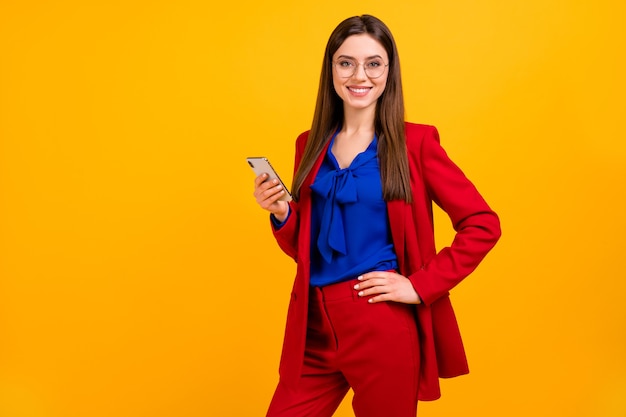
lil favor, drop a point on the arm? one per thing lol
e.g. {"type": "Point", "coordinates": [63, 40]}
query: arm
{"type": "Point", "coordinates": [477, 226]}
{"type": "Point", "coordinates": [286, 233]}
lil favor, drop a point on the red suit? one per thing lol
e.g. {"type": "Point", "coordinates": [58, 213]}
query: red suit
{"type": "Point", "coordinates": [434, 178]}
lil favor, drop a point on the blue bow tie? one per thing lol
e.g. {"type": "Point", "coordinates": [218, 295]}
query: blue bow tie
{"type": "Point", "coordinates": [337, 188]}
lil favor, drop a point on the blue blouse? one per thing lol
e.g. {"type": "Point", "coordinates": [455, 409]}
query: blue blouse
{"type": "Point", "coordinates": [350, 233]}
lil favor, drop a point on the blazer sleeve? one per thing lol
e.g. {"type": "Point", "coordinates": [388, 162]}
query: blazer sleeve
{"type": "Point", "coordinates": [477, 226]}
{"type": "Point", "coordinates": [287, 234]}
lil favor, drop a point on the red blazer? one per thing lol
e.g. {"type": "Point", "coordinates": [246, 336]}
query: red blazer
{"type": "Point", "coordinates": [434, 178]}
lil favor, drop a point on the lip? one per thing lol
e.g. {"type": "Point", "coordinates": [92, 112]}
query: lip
{"type": "Point", "coordinates": [359, 91]}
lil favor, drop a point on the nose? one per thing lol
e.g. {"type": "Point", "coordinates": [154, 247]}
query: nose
{"type": "Point", "coordinates": [359, 72]}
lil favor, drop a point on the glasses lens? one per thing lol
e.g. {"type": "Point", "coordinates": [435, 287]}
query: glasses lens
{"type": "Point", "coordinates": [374, 68]}
{"type": "Point", "coordinates": [345, 68]}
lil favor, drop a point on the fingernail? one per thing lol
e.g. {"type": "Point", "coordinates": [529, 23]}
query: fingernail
{"type": "Point", "coordinates": [361, 294]}
{"type": "Point", "coordinates": [356, 287]}
{"type": "Point", "coordinates": [360, 277]}
{"type": "Point", "coordinates": [370, 301]}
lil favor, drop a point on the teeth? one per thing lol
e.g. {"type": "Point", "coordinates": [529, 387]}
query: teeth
{"type": "Point", "coordinates": [359, 90]}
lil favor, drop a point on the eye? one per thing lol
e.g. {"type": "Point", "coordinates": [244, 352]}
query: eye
{"type": "Point", "coordinates": [374, 64]}
{"type": "Point", "coordinates": [344, 63]}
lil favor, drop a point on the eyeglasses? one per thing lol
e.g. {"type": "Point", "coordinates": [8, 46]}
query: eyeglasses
{"type": "Point", "coordinates": [373, 68]}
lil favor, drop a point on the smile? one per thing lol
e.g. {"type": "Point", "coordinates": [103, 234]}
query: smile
{"type": "Point", "coordinates": [359, 90]}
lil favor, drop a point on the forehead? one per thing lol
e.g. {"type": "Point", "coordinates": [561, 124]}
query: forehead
{"type": "Point", "coordinates": [361, 47]}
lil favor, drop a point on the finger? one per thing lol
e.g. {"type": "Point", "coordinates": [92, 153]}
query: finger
{"type": "Point", "coordinates": [371, 280]}
{"type": "Point", "coordinates": [264, 186]}
{"type": "Point", "coordinates": [266, 190]}
{"type": "Point", "coordinates": [276, 206]}
{"type": "Point", "coordinates": [274, 192]}
{"type": "Point", "coordinates": [378, 299]}
{"type": "Point", "coordinates": [260, 179]}
{"type": "Point", "coordinates": [375, 290]}
{"type": "Point", "coordinates": [370, 283]}
{"type": "Point", "coordinates": [271, 202]}
{"type": "Point", "coordinates": [374, 274]}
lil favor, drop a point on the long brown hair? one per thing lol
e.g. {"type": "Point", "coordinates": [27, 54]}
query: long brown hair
{"type": "Point", "coordinates": [389, 120]}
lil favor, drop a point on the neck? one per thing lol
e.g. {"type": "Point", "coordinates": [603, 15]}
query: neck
{"type": "Point", "coordinates": [358, 120]}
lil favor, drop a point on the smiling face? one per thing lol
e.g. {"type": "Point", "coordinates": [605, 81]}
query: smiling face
{"type": "Point", "coordinates": [359, 91]}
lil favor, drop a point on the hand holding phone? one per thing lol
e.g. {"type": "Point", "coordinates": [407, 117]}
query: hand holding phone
{"type": "Point", "coordinates": [261, 165]}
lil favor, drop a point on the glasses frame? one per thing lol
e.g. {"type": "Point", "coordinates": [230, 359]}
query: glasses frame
{"type": "Point", "coordinates": [356, 68]}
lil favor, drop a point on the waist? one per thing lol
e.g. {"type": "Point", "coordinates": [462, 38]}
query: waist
{"type": "Point", "coordinates": [342, 269]}
{"type": "Point", "coordinates": [336, 291]}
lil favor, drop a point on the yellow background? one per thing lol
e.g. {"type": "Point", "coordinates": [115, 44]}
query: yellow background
{"type": "Point", "coordinates": [139, 278]}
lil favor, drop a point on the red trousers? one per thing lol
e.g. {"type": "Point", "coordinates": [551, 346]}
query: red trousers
{"type": "Point", "coordinates": [371, 348]}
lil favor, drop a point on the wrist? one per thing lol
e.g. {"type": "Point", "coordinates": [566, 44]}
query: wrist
{"type": "Point", "coordinates": [282, 216]}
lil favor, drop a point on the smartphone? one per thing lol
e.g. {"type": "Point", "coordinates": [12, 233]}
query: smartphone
{"type": "Point", "coordinates": [262, 165]}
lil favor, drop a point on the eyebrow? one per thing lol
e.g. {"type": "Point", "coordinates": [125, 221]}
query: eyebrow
{"type": "Point", "coordinates": [351, 57]}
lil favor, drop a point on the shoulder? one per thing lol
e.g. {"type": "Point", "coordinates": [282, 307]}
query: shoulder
{"type": "Point", "coordinates": [302, 139]}
{"type": "Point", "coordinates": [419, 136]}
{"type": "Point", "coordinates": [416, 133]}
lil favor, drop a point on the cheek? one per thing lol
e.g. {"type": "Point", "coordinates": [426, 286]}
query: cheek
{"type": "Point", "coordinates": [383, 80]}
{"type": "Point", "coordinates": [380, 92]}
{"type": "Point", "coordinates": [336, 84]}
{"type": "Point", "coordinates": [383, 86]}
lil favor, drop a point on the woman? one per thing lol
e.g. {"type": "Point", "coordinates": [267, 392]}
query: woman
{"type": "Point", "coordinates": [370, 308]}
